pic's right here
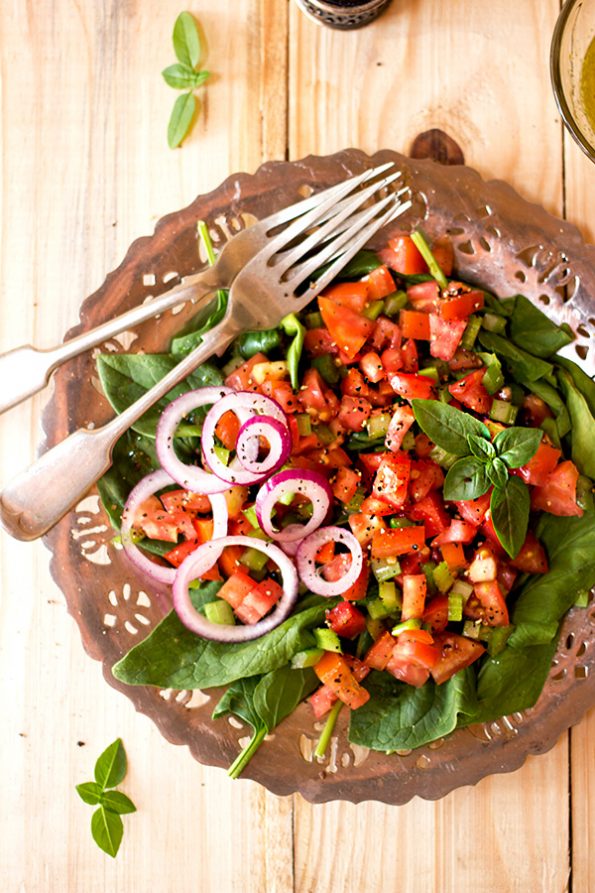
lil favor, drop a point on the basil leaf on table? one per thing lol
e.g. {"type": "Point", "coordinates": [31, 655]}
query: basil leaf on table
{"type": "Point", "coordinates": [509, 507]}
{"type": "Point", "coordinates": [107, 830]}
{"type": "Point", "coordinates": [522, 365]}
{"type": "Point", "coordinates": [515, 446]}
{"type": "Point", "coordinates": [186, 40]}
{"type": "Point", "coordinates": [293, 327]}
{"type": "Point", "coordinates": [446, 426]}
{"type": "Point", "coordinates": [180, 77]}
{"type": "Point", "coordinates": [90, 792]}
{"type": "Point", "coordinates": [466, 479]}
{"type": "Point", "coordinates": [110, 767]}
{"type": "Point", "coordinates": [583, 425]}
{"type": "Point", "coordinates": [497, 472]}
{"type": "Point", "coordinates": [116, 801]}
{"type": "Point", "coordinates": [181, 118]}
{"type": "Point", "coordinates": [534, 331]}
{"type": "Point", "coordinates": [480, 447]}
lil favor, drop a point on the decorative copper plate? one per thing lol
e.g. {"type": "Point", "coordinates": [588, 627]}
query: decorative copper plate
{"type": "Point", "coordinates": [501, 241]}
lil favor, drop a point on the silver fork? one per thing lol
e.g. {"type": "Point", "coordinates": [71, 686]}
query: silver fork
{"type": "Point", "coordinates": [277, 281]}
{"type": "Point", "coordinates": [26, 370]}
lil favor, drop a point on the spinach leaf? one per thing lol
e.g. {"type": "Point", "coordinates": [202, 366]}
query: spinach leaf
{"type": "Point", "coordinates": [581, 380]}
{"type": "Point", "coordinates": [239, 701]}
{"type": "Point", "coordinates": [293, 327]}
{"type": "Point", "coordinates": [583, 425]}
{"type": "Point", "coordinates": [251, 343]}
{"type": "Point", "coordinates": [532, 330]}
{"type": "Point", "coordinates": [400, 716]}
{"type": "Point", "coordinates": [360, 265]}
{"type": "Point", "coordinates": [500, 306]}
{"type": "Point", "coordinates": [515, 446]}
{"type": "Point", "coordinates": [126, 377]}
{"type": "Point", "coordinates": [446, 426]}
{"type": "Point", "coordinates": [466, 479]}
{"type": "Point", "coordinates": [191, 336]}
{"type": "Point", "coordinates": [510, 505]}
{"type": "Point", "coordinates": [173, 657]}
{"type": "Point", "coordinates": [512, 681]}
{"type": "Point", "coordinates": [553, 399]}
{"type": "Point", "coordinates": [362, 441]}
{"type": "Point", "coordinates": [522, 365]}
{"type": "Point", "coordinates": [133, 457]}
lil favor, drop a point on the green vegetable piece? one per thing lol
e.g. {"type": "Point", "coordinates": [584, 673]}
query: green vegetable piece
{"type": "Point", "coordinates": [581, 380]}
{"type": "Point", "coordinates": [443, 578]}
{"type": "Point", "coordinates": [430, 372]}
{"type": "Point", "coordinates": [523, 366]}
{"type": "Point", "coordinates": [389, 595]}
{"type": "Point", "coordinates": [455, 607]}
{"type": "Point", "coordinates": [471, 332]}
{"type": "Point", "coordinates": [516, 446]}
{"type": "Point", "coordinates": [583, 425]}
{"type": "Point", "coordinates": [186, 40]}
{"type": "Point", "coordinates": [110, 767]}
{"type": "Point", "coordinates": [90, 792]}
{"type": "Point", "coordinates": [395, 302]}
{"type": "Point", "coordinates": [582, 599]}
{"type": "Point", "coordinates": [467, 479]}
{"type": "Point", "coordinates": [480, 447]}
{"type": "Point", "coordinates": [496, 638]}
{"type": "Point", "coordinates": [503, 411]}
{"type": "Point", "coordinates": [400, 523]}
{"type": "Point", "coordinates": [534, 331]}
{"type": "Point", "coordinates": [493, 323]}
{"type": "Point", "coordinates": [510, 507]}
{"type": "Point", "coordinates": [291, 325]}
{"type": "Point", "coordinates": [220, 611]}
{"type": "Point", "coordinates": [493, 378]}
{"type": "Point", "coordinates": [377, 609]}
{"type": "Point", "coordinates": [314, 320]}
{"type": "Point", "coordinates": [307, 658]}
{"type": "Point", "coordinates": [446, 426]}
{"type": "Point", "coordinates": [374, 309]}
{"type": "Point", "coordinates": [377, 425]}
{"type": "Point", "coordinates": [327, 732]}
{"type": "Point", "coordinates": [424, 249]}
{"type": "Point", "coordinates": [584, 493]}
{"type": "Point", "coordinates": [405, 626]}
{"type": "Point", "coordinates": [116, 801]}
{"type": "Point", "coordinates": [384, 570]}
{"type": "Point", "coordinates": [181, 119]}
{"type": "Point", "coordinates": [264, 341]}
{"type": "Point", "coordinates": [107, 830]}
{"type": "Point", "coordinates": [327, 367]}
{"type": "Point", "coordinates": [497, 472]}
{"type": "Point", "coordinates": [328, 640]}
{"type": "Point", "coordinates": [441, 457]}
{"type": "Point", "coordinates": [254, 559]}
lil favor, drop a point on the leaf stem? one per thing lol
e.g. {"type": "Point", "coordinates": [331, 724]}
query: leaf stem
{"type": "Point", "coordinates": [433, 266]}
{"type": "Point", "coordinates": [329, 727]}
{"type": "Point", "coordinates": [205, 237]}
{"type": "Point", "coordinates": [243, 758]}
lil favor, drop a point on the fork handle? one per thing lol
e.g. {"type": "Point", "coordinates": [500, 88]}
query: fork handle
{"type": "Point", "coordinates": [26, 370]}
{"type": "Point", "coordinates": [38, 498]}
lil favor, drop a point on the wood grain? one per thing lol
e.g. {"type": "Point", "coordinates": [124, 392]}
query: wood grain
{"type": "Point", "coordinates": [84, 170]}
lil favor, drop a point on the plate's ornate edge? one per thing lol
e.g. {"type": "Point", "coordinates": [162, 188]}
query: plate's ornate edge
{"type": "Point", "coordinates": [345, 163]}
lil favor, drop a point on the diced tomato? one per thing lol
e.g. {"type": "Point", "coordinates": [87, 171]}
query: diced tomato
{"type": "Point", "coordinates": [484, 567]}
{"type": "Point", "coordinates": [380, 652]}
{"type": "Point", "coordinates": [426, 475]}
{"type": "Point", "coordinates": [415, 588]}
{"type": "Point", "coordinates": [345, 484]}
{"type": "Point", "coordinates": [346, 620]}
{"type": "Point", "coordinates": [458, 532]}
{"type": "Point", "coordinates": [471, 393]}
{"type": "Point", "coordinates": [259, 601]}
{"type": "Point", "coordinates": [506, 576]}
{"type": "Point", "coordinates": [349, 330]}
{"type": "Point", "coordinates": [558, 494]}
{"type": "Point", "coordinates": [370, 463]}
{"type": "Point", "coordinates": [423, 446]}
{"type": "Point", "coordinates": [487, 604]}
{"type": "Point", "coordinates": [322, 700]}
{"type": "Point", "coordinates": [227, 429]}
{"type": "Point", "coordinates": [203, 529]}
{"type": "Point", "coordinates": [444, 254]}
{"type": "Point", "coordinates": [540, 465]}
{"type": "Point", "coordinates": [333, 671]}
{"type": "Point", "coordinates": [229, 560]}
{"type": "Point", "coordinates": [403, 257]}
{"type": "Point", "coordinates": [405, 671]}
{"type": "Point", "coordinates": [409, 356]}
{"type": "Point", "coordinates": [465, 359]}
{"type": "Point", "coordinates": [159, 523]}
{"type": "Point", "coordinates": [415, 324]}
{"type": "Point", "coordinates": [364, 527]}
{"type": "Point", "coordinates": [359, 589]}
{"type": "Point", "coordinates": [371, 366]}
{"type": "Point", "coordinates": [386, 335]}
{"type": "Point", "coordinates": [400, 423]}
{"type": "Point", "coordinates": [353, 385]}
{"type": "Point", "coordinates": [241, 378]}
{"type": "Point", "coordinates": [354, 295]}
{"type": "Point", "coordinates": [411, 562]}
{"type": "Point", "coordinates": [436, 614]}
{"type": "Point", "coordinates": [282, 393]}
{"type": "Point", "coordinates": [383, 395]}
{"type": "Point", "coordinates": [535, 411]}
{"type": "Point", "coordinates": [235, 499]}
{"type": "Point", "coordinates": [177, 555]}
{"type": "Point", "coordinates": [184, 499]}
{"type": "Point", "coordinates": [354, 412]}
{"type": "Point", "coordinates": [392, 360]}
{"type": "Point", "coordinates": [392, 479]}
{"type": "Point", "coordinates": [454, 555]}
{"type": "Point", "coordinates": [412, 386]}
{"type": "Point", "coordinates": [316, 398]}
{"type": "Point", "coordinates": [331, 457]}
{"type": "Point", "coordinates": [391, 543]}
{"type": "Point", "coordinates": [445, 336]}
{"type": "Point", "coordinates": [455, 653]}
{"type": "Point", "coordinates": [474, 510]}
{"type": "Point", "coordinates": [532, 558]}
{"type": "Point", "coordinates": [461, 306]}
{"type": "Point", "coordinates": [412, 660]}
{"type": "Point", "coordinates": [236, 588]}
{"type": "Point", "coordinates": [380, 283]}
{"type": "Point", "coordinates": [424, 296]}
{"type": "Point", "coordinates": [373, 506]}
{"type": "Point", "coordinates": [318, 342]}
{"type": "Point", "coordinates": [431, 511]}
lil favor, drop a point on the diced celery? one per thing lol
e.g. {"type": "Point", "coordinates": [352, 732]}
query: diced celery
{"type": "Point", "coordinates": [314, 320]}
{"type": "Point", "coordinates": [462, 588]}
{"type": "Point", "coordinates": [502, 411]}
{"type": "Point", "coordinates": [221, 453]}
{"type": "Point", "coordinates": [493, 378]}
{"type": "Point", "coordinates": [443, 577]}
{"type": "Point", "coordinates": [430, 372]}
{"type": "Point", "coordinates": [444, 394]}
{"type": "Point", "coordinates": [377, 425]}
{"type": "Point", "coordinates": [307, 658]}
{"type": "Point", "coordinates": [232, 365]}
{"type": "Point", "coordinates": [374, 309]}
{"type": "Point", "coordinates": [385, 568]}
{"type": "Point", "coordinates": [455, 606]}
{"type": "Point", "coordinates": [471, 332]}
{"type": "Point", "coordinates": [472, 629]}
{"type": "Point", "coordinates": [395, 302]}
{"type": "Point", "coordinates": [250, 515]}
{"type": "Point", "coordinates": [286, 498]}
{"type": "Point", "coordinates": [442, 458]}
{"type": "Point", "coordinates": [327, 639]}
{"type": "Point", "coordinates": [219, 611]}
{"type": "Point", "coordinates": [408, 441]}
{"type": "Point", "coordinates": [494, 323]}
{"type": "Point", "coordinates": [414, 623]}
{"type": "Point", "coordinates": [390, 595]}
{"type": "Point", "coordinates": [377, 609]}
{"type": "Point", "coordinates": [355, 503]}
{"type": "Point", "coordinates": [275, 370]}
{"type": "Point", "coordinates": [399, 523]}
{"type": "Point", "coordinates": [254, 559]}
{"type": "Point", "coordinates": [304, 424]}
{"type": "Point", "coordinates": [428, 568]}
{"type": "Point", "coordinates": [375, 628]}
{"type": "Point", "coordinates": [327, 368]}
{"type": "Point", "coordinates": [324, 433]}
{"type": "Point", "coordinates": [364, 642]}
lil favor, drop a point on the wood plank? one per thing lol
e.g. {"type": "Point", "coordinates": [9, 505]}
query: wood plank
{"type": "Point", "coordinates": [459, 70]}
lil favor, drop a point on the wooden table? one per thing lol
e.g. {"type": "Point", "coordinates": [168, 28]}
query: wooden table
{"type": "Point", "coordinates": [86, 169]}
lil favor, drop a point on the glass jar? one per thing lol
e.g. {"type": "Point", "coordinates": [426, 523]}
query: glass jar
{"type": "Point", "coordinates": [344, 14]}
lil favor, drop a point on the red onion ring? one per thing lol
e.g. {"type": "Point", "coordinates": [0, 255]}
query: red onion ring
{"type": "Point", "coordinates": [147, 487]}
{"type": "Point", "coordinates": [306, 565]}
{"type": "Point", "coordinates": [293, 480]}
{"type": "Point", "coordinates": [201, 560]}
{"type": "Point", "coordinates": [191, 477]}
{"type": "Point", "coordinates": [247, 447]}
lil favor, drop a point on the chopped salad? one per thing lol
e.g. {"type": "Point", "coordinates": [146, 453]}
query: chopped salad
{"type": "Point", "coordinates": [383, 506]}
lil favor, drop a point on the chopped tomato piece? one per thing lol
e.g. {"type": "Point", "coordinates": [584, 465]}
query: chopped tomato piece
{"type": "Point", "coordinates": [386, 335]}
{"type": "Point", "coordinates": [409, 356]}
{"type": "Point", "coordinates": [236, 588]}
{"type": "Point", "coordinates": [484, 567]}
{"type": "Point", "coordinates": [436, 614]}
{"type": "Point", "coordinates": [333, 670]}
{"type": "Point", "coordinates": [412, 386]}
{"type": "Point", "coordinates": [403, 257]}
{"type": "Point", "coordinates": [380, 652]}
{"type": "Point", "coordinates": [415, 324]}
{"type": "Point", "coordinates": [540, 465]}
{"type": "Point", "coordinates": [349, 330]}
{"type": "Point", "coordinates": [532, 558]}
{"type": "Point", "coordinates": [229, 560]}
{"type": "Point", "coordinates": [359, 589]}
{"type": "Point", "coordinates": [346, 620]}
{"type": "Point", "coordinates": [412, 660]}
{"type": "Point", "coordinates": [474, 510]}
{"type": "Point", "coordinates": [392, 359]}
{"type": "Point", "coordinates": [354, 412]}
{"type": "Point", "coordinates": [322, 700]}
{"type": "Point", "coordinates": [326, 553]}
{"type": "Point", "coordinates": [372, 367]}
{"type": "Point", "coordinates": [380, 283]}
{"type": "Point", "coordinates": [159, 523]}
{"type": "Point", "coordinates": [404, 670]}
{"type": "Point", "coordinates": [345, 484]}
{"type": "Point", "coordinates": [471, 393]}
{"type": "Point", "coordinates": [184, 499]}
{"type": "Point", "coordinates": [177, 555]}
{"type": "Point", "coordinates": [241, 378]}
{"type": "Point", "coordinates": [283, 393]}
{"type": "Point", "coordinates": [445, 336]}
{"type": "Point", "coordinates": [455, 653]}
{"type": "Point", "coordinates": [423, 446]}
{"type": "Point", "coordinates": [317, 399]}
{"type": "Point", "coordinates": [458, 532]}
{"type": "Point", "coordinates": [259, 601]}
{"type": "Point", "coordinates": [415, 588]}
{"type": "Point", "coordinates": [391, 543]}
{"type": "Point", "coordinates": [373, 506]}
{"type": "Point", "coordinates": [465, 359]}
{"type": "Point", "coordinates": [488, 604]}
{"type": "Point", "coordinates": [535, 411]}
{"type": "Point", "coordinates": [454, 555]}
{"type": "Point", "coordinates": [426, 475]}
{"type": "Point", "coordinates": [354, 295]}
{"type": "Point", "coordinates": [400, 423]}
{"type": "Point", "coordinates": [461, 306]}
{"type": "Point", "coordinates": [558, 493]}
{"type": "Point", "coordinates": [235, 499]}
{"type": "Point", "coordinates": [392, 479]}
{"type": "Point", "coordinates": [364, 526]}
{"type": "Point", "coordinates": [318, 342]}
{"type": "Point", "coordinates": [424, 296]}
{"type": "Point", "coordinates": [431, 511]}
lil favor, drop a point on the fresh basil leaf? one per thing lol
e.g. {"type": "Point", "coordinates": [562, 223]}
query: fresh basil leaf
{"type": "Point", "coordinates": [107, 830]}
{"type": "Point", "coordinates": [251, 343]}
{"type": "Point", "coordinates": [293, 327]}
{"type": "Point", "coordinates": [466, 479]}
{"type": "Point", "coordinates": [480, 447]}
{"type": "Point", "coordinates": [186, 40]}
{"type": "Point", "coordinates": [581, 380]}
{"type": "Point", "coordinates": [509, 507]}
{"type": "Point", "coordinates": [116, 801]}
{"type": "Point", "coordinates": [446, 426]}
{"type": "Point", "coordinates": [181, 119]}
{"type": "Point", "coordinates": [515, 446]}
{"type": "Point", "coordinates": [533, 331]}
{"type": "Point", "coordinates": [522, 365]}
{"type": "Point", "coordinates": [180, 77]}
{"type": "Point", "coordinates": [110, 767]}
{"type": "Point", "coordinates": [173, 657]}
{"type": "Point", "coordinates": [401, 716]}
{"type": "Point", "coordinates": [497, 472]}
{"type": "Point", "coordinates": [90, 792]}
{"type": "Point", "coordinates": [583, 425]}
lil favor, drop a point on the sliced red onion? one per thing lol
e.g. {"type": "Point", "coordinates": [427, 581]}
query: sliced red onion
{"type": "Point", "coordinates": [248, 445]}
{"type": "Point", "coordinates": [150, 485]}
{"type": "Point", "coordinates": [306, 562]}
{"type": "Point", "coordinates": [311, 484]}
{"type": "Point", "coordinates": [245, 405]}
{"type": "Point", "coordinates": [191, 477]}
{"type": "Point", "coordinates": [201, 560]}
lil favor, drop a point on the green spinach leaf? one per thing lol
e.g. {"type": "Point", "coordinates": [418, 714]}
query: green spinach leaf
{"type": "Point", "coordinates": [581, 380]}
{"type": "Point", "coordinates": [522, 365]}
{"type": "Point", "coordinates": [293, 327]}
{"type": "Point", "coordinates": [263, 341]}
{"type": "Point", "coordinates": [446, 426]}
{"type": "Point", "coordinates": [133, 457]}
{"type": "Point", "coordinates": [583, 425]}
{"type": "Point", "coordinates": [192, 334]}
{"type": "Point", "coordinates": [512, 681]}
{"type": "Point", "coordinates": [533, 331]}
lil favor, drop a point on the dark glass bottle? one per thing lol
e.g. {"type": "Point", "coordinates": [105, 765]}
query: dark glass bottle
{"type": "Point", "coordinates": [343, 14]}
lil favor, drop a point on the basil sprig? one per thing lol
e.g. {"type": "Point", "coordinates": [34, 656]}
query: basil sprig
{"type": "Point", "coordinates": [482, 464]}
{"type": "Point", "coordinates": [106, 825]}
{"type": "Point", "coordinates": [183, 75]}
